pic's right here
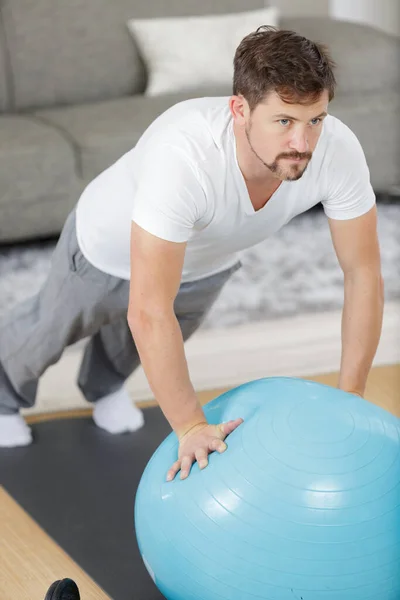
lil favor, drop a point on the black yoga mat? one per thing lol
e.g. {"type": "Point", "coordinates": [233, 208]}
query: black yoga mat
{"type": "Point", "coordinates": [79, 483]}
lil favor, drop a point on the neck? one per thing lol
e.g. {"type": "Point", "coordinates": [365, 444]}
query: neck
{"type": "Point", "coordinates": [251, 167]}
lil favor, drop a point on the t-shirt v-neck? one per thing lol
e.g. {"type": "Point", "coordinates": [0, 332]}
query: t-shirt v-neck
{"type": "Point", "coordinates": [242, 187]}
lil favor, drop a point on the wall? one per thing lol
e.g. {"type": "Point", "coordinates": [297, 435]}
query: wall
{"type": "Point", "coordinates": [383, 14]}
{"type": "Point", "coordinates": [298, 8]}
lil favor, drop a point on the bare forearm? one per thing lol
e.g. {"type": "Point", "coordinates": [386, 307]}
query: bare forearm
{"type": "Point", "coordinates": [361, 328]}
{"type": "Point", "coordinates": [160, 346]}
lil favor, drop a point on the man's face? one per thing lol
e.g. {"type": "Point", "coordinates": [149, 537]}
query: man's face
{"type": "Point", "coordinates": [283, 136]}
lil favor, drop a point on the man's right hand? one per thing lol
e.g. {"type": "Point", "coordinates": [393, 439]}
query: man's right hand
{"type": "Point", "coordinates": [198, 443]}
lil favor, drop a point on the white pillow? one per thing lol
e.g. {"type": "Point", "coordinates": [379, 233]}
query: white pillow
{"type": "Point", "coordinates": [182, 53]}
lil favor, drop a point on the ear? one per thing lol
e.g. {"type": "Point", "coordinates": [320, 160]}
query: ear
{"type": "Point", "coordinates": [239, 109]}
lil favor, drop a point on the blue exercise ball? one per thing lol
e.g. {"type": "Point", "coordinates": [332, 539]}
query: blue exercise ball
{"type": "Point", "coordinates": [303, 505]}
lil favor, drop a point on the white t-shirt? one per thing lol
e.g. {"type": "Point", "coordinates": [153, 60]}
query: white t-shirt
{"type": "Point", "coordinates": [182, 183]}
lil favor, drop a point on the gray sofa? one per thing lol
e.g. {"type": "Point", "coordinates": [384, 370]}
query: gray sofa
{"type": "Point", "coordinates": [72, 101]}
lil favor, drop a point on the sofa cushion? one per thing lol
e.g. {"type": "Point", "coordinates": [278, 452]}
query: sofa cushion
{"type": "Point", "coordinates": [368, 59]}
{"type": "Point", "coordinates": [37, 172]}
{"type": "Point", "coordinates": [75, 51]}
{"type": "Point", "coordinates": [103, 131]}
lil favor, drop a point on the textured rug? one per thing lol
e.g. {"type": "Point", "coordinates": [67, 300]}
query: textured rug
{"type": "Point", "coordinates": [293, 272]}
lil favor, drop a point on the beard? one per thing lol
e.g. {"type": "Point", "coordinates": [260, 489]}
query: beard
{"type": "Point", "coordinates": [292, 172]}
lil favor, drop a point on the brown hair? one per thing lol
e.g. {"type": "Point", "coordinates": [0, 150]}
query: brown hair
{"type": "Point", "coordinates": [296, 68]}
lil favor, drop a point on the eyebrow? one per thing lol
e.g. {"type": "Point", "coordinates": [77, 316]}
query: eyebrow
{"type": "Point", "coordinates": [284, 116]}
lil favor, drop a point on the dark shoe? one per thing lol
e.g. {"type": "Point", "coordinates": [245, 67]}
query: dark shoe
{"type": "Point", "coordinates": [63, 589]}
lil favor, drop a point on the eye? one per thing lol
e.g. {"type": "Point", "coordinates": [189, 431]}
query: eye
{"type": "Point", "coordinates": [315, 121]}
{"type": "Point", "coordinates": [284, 122]}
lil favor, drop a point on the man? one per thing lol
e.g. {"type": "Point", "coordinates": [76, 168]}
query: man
{"type": "Point", "coordinates": [161, 228]}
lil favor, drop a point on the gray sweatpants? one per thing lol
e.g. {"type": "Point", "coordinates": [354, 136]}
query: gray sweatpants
{"type": "Point", "coordinates": [79, 301]}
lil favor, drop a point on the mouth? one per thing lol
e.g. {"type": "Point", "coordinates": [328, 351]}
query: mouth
{"type": "Point", "coordinates": [294, 159]}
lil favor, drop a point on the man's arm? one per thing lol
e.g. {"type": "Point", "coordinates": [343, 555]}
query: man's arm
{"type": "Point", "coordinates": [156, 268]}
{"type": "Point", "coordinates": [357, 248]}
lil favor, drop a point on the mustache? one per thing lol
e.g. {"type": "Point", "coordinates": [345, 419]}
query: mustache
{"type": "Point", "coordinates": [297, 155]}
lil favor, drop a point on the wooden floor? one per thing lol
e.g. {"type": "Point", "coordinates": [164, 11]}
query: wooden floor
{"type": "Point", "coordinates": [383, 389]}
{"type": "Point", "coordinates": [31, 560]}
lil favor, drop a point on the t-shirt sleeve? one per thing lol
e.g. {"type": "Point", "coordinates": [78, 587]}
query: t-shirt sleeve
{"type": "Point", "coordinates": [169, 197]}
{"type": "Point", "coordinates": [349, 193]}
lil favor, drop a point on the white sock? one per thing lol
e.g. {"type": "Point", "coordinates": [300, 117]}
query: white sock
{"type": "Point", "coordinates": [116, 413]}
{"type": "Point", "coordinates": [14, 431]}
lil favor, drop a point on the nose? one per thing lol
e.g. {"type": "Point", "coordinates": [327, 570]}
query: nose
{"type": "Point", "coordinates": [299, 141]}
